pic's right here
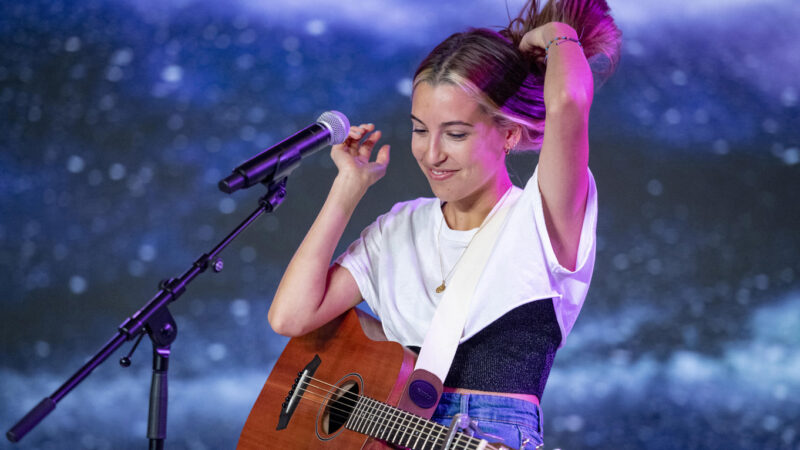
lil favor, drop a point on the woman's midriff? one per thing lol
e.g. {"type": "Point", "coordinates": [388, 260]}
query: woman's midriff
{"type": "Point", "coordinates": [527, 397]}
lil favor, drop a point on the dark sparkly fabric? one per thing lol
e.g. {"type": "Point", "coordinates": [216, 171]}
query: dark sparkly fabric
{"type": "Point", "coordinates": [513, 354]}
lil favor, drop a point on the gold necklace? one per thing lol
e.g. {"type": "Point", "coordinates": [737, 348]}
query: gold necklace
{"type": "Point", "coordinates": [443, 286]}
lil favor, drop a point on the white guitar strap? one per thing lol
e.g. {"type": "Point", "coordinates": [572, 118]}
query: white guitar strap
{"type": "Point", "coordinates": [447, 326]}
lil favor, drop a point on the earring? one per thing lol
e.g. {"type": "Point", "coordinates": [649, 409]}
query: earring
{"type": "Point", "coordinates": [507, 150]}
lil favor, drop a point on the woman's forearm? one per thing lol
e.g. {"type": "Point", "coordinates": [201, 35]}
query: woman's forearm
{"type": "Point", "coordinates": [305, 281]}
{"type": "Point", "coordinates": [568, 78]}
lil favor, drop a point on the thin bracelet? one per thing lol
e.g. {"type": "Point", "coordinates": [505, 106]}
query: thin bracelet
{"type": "Point", "coordinates": [558, 40]}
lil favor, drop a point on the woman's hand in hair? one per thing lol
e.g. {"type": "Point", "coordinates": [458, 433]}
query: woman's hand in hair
{"type": "Point", "coordinates": [536, 40]}
{"type": "Point", "coordinates": [352, 157]}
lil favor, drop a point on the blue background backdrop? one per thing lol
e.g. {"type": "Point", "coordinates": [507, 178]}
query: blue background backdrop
{"type": "Point", "coordinates": [117, 119]}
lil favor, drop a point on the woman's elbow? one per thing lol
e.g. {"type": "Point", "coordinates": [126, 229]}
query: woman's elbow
{"type": "Point", "coordinates": [283, 325]}
{"type": "Point", "coordinates": [573, 102]}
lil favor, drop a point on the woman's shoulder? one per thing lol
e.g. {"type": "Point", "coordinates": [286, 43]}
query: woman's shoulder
{"type": "Point", "coordinates": [406, 216]}
{"type": "Point", "coordinates": [412, 209]}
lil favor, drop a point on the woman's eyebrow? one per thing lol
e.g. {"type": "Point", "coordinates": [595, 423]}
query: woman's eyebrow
{"type": "Point", "coordinates": [457, 122]}
{"type": "Point", "coordinates": [445, 124]}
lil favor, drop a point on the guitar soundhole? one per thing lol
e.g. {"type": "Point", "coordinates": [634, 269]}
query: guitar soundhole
{"type": "Point", "coordinates": [339, 406]}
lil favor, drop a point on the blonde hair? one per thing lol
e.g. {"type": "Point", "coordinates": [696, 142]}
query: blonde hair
{"type": "Point", "coordinates": [507, 83]}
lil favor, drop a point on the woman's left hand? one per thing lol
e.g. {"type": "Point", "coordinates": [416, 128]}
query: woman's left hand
{"type": "Point", "coordinates": [539, 37]}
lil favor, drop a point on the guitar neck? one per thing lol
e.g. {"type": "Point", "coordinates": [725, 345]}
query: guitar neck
{"type": "Point", "coordinates": [395, 426]}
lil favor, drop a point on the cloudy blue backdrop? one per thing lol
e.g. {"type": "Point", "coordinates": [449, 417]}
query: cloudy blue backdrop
{"type": "Point", "coordinates": [117, 119]}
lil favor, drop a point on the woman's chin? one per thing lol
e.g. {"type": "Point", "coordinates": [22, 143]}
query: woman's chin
{"type": "Point", "coordinates": [444, 195]}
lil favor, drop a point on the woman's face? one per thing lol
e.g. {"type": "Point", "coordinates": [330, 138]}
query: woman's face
{"type": "Point", "coordinates": [456, 144]}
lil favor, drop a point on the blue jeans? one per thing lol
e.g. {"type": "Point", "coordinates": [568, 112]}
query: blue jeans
{"type": "Point", "coordinates": [515, 422]}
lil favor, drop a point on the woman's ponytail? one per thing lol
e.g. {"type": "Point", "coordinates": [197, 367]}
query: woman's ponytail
{"type": "Point", "coordinates": [591, 19]}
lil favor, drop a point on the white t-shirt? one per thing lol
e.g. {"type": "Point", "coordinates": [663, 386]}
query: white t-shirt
{"type": "Point", "coordinates": [396, 265]}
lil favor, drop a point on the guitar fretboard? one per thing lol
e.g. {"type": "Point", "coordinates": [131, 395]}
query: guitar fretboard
{"type": "Point", "coordinates": [401, 428]}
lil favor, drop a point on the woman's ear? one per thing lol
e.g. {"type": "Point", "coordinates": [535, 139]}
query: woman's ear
{"type": "Point", "coordinates": [512, 135]}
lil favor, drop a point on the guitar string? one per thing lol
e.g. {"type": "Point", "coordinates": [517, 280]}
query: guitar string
{"type": "Point", "coordinates": [394, 427]}
{"type": "Point", "coordinates": [470, 443]}
{"type": "Point", "coordinates": [429, 426]}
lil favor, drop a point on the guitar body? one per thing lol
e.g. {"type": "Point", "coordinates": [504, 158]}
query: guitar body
{"type": "Point", "coordinates": [352, 350]}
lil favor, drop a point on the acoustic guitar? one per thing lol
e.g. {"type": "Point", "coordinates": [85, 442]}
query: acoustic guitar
{"type": "Point", "coordinates": [339, 387]}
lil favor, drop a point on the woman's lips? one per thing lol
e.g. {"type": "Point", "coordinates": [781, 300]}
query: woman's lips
{"type": "Point", "coordinates": [440, 174]}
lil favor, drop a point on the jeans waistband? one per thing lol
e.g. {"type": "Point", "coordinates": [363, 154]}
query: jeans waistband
{"type": "Point", "coordinates": [495, 408]}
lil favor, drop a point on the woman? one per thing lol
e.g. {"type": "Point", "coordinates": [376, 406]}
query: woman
{"type": "Point", "coordinates": [479, 95]}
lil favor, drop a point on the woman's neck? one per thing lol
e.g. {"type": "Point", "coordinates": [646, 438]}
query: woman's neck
{"type": "Point", "coordinates": [470, 212]}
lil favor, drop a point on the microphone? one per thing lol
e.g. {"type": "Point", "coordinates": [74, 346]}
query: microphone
{"type": "Point", "coordinates": [281, 159]}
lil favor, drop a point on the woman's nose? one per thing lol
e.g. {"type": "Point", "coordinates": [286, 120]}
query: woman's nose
{"type": "Point", "coordinates": [433, 152]}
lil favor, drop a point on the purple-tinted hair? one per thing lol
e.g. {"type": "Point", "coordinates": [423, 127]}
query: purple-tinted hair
{"type": "Point", "coordinates": [507, 83]}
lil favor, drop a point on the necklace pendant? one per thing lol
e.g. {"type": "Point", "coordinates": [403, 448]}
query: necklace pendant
{"type": "Point", "coordinates": [441, 288]}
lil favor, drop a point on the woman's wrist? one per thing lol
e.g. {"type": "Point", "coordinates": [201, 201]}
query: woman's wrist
{"type": "Point", "coordinates": [348, 189]}
{"type": "Point", "coordinates": [554, 30]}
{"type": "Point", "coordinates": [542, 35]}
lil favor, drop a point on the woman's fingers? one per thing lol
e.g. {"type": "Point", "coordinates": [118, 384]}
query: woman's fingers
{"type": "Point", "coordinates": [355, 136]}
{"type": "Point", "coordinates": [533, 40]}
{"type": "Point", "coordinates": [353, 155]}
{"type": "Point", "coordinates": [361, 139]}
{"type": "Point", "coordinates": [365, 149]}
{"type": "Point", "coordinates": [377, 168]}
{"type": "Point", "coordinates": [383, 155]}
{"type": "Point", "coordinates": [360, 142]}
{"type": "Point", "coordinates": [358, 132]}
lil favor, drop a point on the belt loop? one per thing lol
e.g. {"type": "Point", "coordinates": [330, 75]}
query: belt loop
{"type": "Point", "coordinates": [541, 421]}
{"type": "Point", "coordinates": [464, 404]}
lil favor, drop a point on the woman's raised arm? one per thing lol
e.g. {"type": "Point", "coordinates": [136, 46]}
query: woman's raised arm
{"type": "Point", "coordinates": [563, 162]}
{"type": "Point", "coordinates": [312, 292]}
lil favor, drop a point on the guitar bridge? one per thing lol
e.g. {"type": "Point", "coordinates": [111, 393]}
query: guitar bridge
{"type": "Point", "coordinates": [297, 391]}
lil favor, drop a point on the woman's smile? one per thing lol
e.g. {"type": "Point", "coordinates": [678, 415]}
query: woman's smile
{"type": "Point", "coordinates": [440, 174]}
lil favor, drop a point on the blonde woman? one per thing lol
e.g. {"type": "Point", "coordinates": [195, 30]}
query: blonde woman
{"type": "Point", "coordinates": [478, 96]}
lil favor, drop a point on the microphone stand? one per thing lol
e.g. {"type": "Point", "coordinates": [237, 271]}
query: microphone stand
{"type": "Point", "coordinates": [154, 319]}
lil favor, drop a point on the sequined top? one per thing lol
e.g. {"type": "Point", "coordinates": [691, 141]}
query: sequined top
{"type": "Point", "coordinates": [513, 354]}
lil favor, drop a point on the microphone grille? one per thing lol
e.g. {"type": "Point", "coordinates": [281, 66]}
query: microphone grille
{"type": "Point", "coordinates": [337, 123]}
